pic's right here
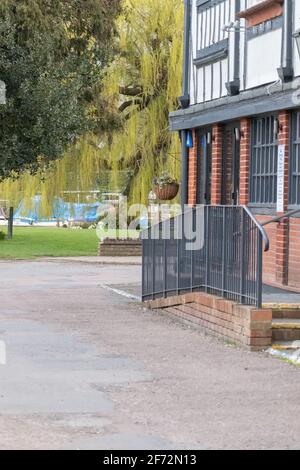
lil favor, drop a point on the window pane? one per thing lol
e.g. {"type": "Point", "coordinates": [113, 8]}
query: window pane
{"type": "Point", "coordinates": [263, 177]}
{"type": "Point", "coordinates": [294, 193]}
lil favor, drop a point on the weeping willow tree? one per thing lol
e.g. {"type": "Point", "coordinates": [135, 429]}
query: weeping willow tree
{"type": "Point", "coordinates": [140, 89]}
{"type": "Point", "coordinates": [144, 82]}
{"type": "Point", "coordinates": [67, 178]}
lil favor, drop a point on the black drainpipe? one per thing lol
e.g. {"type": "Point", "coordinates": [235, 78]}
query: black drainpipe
{"type": "Point", "coordinates": [286, 72]}
{"type": "Point", "coordinates": [233, 87]}
{"type": "Point", "coordinates": [184, 169]}
{"type": "Point", "coordinates": [185, 100]}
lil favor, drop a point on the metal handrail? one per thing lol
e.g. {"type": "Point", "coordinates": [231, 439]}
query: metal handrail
{"type": "Point", "coordinates": [226, 265]}
{"type": "Point", "coordinates": [279, 218]}
{"type": "Point", "coordinates": [260, 228]}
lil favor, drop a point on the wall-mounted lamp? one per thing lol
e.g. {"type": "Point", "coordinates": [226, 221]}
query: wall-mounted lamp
{"type": "Point", "coordinates": [277, 127]}
{"type": "Point", "coordinates": [296, 36]}
{"type": "Point", "coordinates": [237, 134]}
{"type": "Point", "coordinates": [189, 140]}
{"type": "Point", "coordinates": [208, 138]}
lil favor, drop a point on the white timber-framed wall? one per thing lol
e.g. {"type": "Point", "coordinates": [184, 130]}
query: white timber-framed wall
{"type": "Point", "coordinates": [215, 53]}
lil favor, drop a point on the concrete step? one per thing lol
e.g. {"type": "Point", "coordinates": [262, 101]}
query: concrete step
{"type": "Point", "coordinates": [281, 306]}
{"type": "Point", "coordinates": [286, 323]}
{"type": "Point", "coordinates": [286, 345]}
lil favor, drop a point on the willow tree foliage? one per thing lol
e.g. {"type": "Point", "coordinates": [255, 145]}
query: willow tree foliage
{"type": "Point", "coordinates": [52, 57]}
{"type": "Point", "coordinates": [144, 83]}
{"type": "Point", "coordinates": [140, 88]}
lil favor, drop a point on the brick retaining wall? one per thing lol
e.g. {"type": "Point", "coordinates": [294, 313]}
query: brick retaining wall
{"type": "Point", "coordinates": [243, 325]}
{"type": "Point", "coordinates": [113, 247]}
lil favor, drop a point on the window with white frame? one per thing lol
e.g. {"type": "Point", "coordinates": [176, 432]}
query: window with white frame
{"type": "Point", "coordinates": [212, 17]}
{"type": "Point", "coordinates": [253, 3]}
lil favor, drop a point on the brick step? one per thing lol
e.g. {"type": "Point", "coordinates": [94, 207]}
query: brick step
{"type": "Point", "coordinates": [119, 253]}
{"type": "Point", "coordinates": [121, 243]}
{"type": "Point", "coordinates": [289, 314]}
{"type": "Point", "coordinates": [125, 249]}
{"type": "Point", "coordinates": [286, 330]}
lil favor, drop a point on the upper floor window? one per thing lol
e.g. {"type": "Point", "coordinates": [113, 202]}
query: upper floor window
{"type": "Point", "coordinates": [212, 17]}
{"type": "Point", "coordinates": [264, 158]}
{"type": "Point", "coordinates": [212, 38]}
{"type": "Point", "coordinates": [252, 3]}
{"type": "Point", "coordinates": [259, 11]}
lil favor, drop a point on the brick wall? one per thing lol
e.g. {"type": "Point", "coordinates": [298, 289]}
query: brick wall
{"type": "Point", "coordinates": [294, 253]}
{"type": "Point", "coordinates": [119, 247]}
{"type": "Point", "coordinates": [193, 169]}
{"type": "Point", "coordinates": [257, 14]}
{"type": "Point", "coordinates": [227, 168]}
{"type": "Point", "coordinates": [245, 151]}
{"type": "Point", "coordinates": [269, 266]}
{"type": "Point", "coordinates": [243, 325]}
{"type": "Point", "coordinates": [282, 242]}
{"type": "Point", "coordinates": [276, 270]}
{"type": "Point", "coordinates": [216, 177]}
{"type": "Point", "coordinates": [282, 262]}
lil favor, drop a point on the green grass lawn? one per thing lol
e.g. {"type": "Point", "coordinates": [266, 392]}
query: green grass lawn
{"type": "Point", "coordinates": [32, 242]}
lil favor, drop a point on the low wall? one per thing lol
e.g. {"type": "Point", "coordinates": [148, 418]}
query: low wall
{"type": "Point", "coordinates": [240, 324]}
{"type": "Point", "coordinates": [113, 247]}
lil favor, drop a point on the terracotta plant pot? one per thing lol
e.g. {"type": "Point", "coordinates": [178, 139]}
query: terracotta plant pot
{"type": "Point", "coordinates": [167, 192]}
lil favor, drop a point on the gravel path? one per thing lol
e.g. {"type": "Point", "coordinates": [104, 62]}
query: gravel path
{"type": "Point", "coordinates": [90, 369]}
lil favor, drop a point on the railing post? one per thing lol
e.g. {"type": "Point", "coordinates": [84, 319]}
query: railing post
{"type": "Point", "coordinates": [165, 269]}
{"type": "Point", "coordinates": [143, 268]}
{"type": "Point", "coordinates": [224, 243]}
{"type": "Point", "coordinates": [242, 256]}
{"type": "Point", "coordinates": [179, 239]}
{"type": "Point", "coordinates": [10, 226]}
{"type": "Point", "coordinates": [207, 248]}
{"type": "Point", "coordinates": [193, 215]}
{"type": "Point", "coordinates": [259, 267]}
{"type": "Point", "coordinates": [153, 268]}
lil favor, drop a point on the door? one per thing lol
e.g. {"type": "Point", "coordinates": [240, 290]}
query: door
{"type": "Point", "coordinates": [204, 167]}
{"type": "Point", "coordinates": [231, 165]}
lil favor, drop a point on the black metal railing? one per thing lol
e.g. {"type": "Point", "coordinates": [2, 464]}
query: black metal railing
{"type": "Point", "coordinates": [280, 218]}
{"type": "Point", "coordinates": [213, 249]}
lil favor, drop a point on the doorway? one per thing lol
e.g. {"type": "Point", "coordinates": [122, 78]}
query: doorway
{"type": "Point", "coordinates": [204, 167]}
{"type": "Point", "coordinates": [231, 164]}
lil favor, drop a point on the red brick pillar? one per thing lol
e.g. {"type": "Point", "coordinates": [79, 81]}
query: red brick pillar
{"type": "Point", "coordinates": [217, 159]}
{"type": "Point", "coordinates": [245, 152]}
{"type": "Point", "coordinates": [193, 166]}
{"type": "Point", "coordinates": [282, 242]}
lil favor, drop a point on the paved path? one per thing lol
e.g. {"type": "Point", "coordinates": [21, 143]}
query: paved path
{"type": "Point", "coordinates": [90, 369]}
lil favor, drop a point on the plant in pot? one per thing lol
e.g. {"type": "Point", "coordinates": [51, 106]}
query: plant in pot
{"type": "Point", "coordinates": [165, 187]}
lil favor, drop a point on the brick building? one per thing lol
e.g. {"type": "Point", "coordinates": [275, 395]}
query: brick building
{"type": "Point", "coordinates": [241, 105]}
